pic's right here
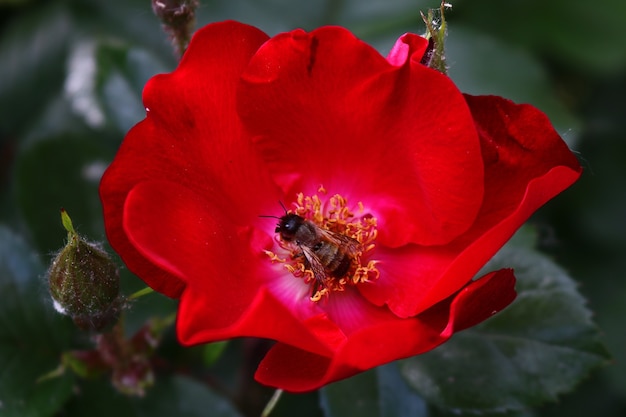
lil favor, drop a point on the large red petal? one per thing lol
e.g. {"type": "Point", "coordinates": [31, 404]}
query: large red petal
{"type": "Point", "coordinates": [185, 234]}
{"type": "Point", "coordinates": [526, 164]}
{"type": "Point", "coordinates": [188, 237]}
{"type": "Point", "coordinates": [326, 108]}
{"type": "Point", "coordinates": [191, 136]}
{"type": "Point", "coordinates": [380, 342]}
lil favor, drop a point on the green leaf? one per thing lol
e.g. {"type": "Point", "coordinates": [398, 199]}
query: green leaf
{"type": "Point", "coordinates": [512, 73]}
{"type": "Point", "coordinates": [185, 397]}
{"type": "Point", "coordinates": [32, 52]}
{"type": "Point", "coordinates": [271, 16]}
{"type": "Point", "coordinates": [171, 396]}
{"type": "Point", "coordinates": [57, 172]}
{"type": "Point", "coordinates": [212, 352]}
{"type": "Point", "coordinates": [122, 74]}
{"type": "Point", "coordinates": [32, 336]}
{"type": "Point", "coordinates": [379, 392]}
{"type": "Point", "coordinates": [127, 21]}
{"type": "Point", "coordinates": [355, 396]}
{"type": "Point", "coordinates": [588, 37]}
{"type": "Point", "coordinates": [376, 18]}
{"type": "Point", "coordinates": [539, 347]}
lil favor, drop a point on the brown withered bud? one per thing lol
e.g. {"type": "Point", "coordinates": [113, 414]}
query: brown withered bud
{"type": "Point", "coordinates": [131, 369]}
{"type": "Point", "coordinates": [84, 282]}
{"type": "Point", "coordinates": [127, 361]}
{"type": "Point", "coordinates": [178, 18]}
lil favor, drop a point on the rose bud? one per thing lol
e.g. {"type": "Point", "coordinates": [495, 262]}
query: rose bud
{"type": "Point", "coordinates": [175, 13]}
{"type": "Point", "coordinates": [178, 18]}
{"type": "Point", "coordinates": [84, 282]}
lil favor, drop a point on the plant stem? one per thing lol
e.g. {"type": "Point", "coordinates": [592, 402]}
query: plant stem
{"type": "Point", "coordinates": [140, 293]}
{"type": "Point", "coordinates": [272, 403]}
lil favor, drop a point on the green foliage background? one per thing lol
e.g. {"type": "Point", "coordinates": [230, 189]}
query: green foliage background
{"type": "Point", "coordinates": [71, 75]}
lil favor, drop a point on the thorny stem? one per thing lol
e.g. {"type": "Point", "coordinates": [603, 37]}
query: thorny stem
{"type": "Point", "coordinates": [436, 28]}
{"type": "Point", "coordinates": [272, 403]}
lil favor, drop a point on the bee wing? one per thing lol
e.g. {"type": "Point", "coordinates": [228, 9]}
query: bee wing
{"type": "Point", "coordinates": [349, 245]}
{"type": "Point", "coordinates": [314, 264]}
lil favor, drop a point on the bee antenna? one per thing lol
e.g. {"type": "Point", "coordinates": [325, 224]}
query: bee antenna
{"type": "Point", "coordinates": [276, 217]}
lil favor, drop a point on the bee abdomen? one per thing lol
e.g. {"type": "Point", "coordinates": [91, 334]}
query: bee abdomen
{"type": "Point", "coordinates": [341, 266]}
{"type": "Point", "coordinates": [336, 262]}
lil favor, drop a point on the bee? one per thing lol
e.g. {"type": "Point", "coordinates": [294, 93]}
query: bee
{"type": "Point", "coordinates": [326, 253]}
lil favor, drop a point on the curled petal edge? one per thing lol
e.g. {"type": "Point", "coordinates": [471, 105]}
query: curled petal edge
{"type": "Point", "coordinates": [298, 370]}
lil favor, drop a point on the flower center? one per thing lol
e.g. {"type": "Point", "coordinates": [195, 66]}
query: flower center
{"type": "Point", "coordinates": [328, 245]}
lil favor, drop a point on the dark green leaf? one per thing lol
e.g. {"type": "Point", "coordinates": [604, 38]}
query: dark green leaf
{"type": "Point", "coordinates": [122, 74]}
{"type": "Point", "coordinates": [569, 31]}
{"type": "Point", "coordinates": [539, 347]}
{"type": "Point", "coordinates": [180, 396]}
{"type": "Point", "coordinates": [212, 352]}
{"type": "Point", "coordinates": [383, 17]}
{"type": "Point", "coordinates": [175, 396]}
{"type": "Point", "coordinates": [396, 397]}
{"type": "Point", "coordinates": [271, 16]}
{"type": "Point", "coordinates": [511, 73]}
{"type": "Point", "coordinates": [32, 53]}
{"type": "Point", "coordinates": [61, 172]}
{"type": "Point", "coordinates": [355, 396]}
{"type": "Point", "coordinates": [128, 21]}
{"type": "Point", "coordinates": [380, 392]}
{"type": "Point", "coordinates": [32, 336]}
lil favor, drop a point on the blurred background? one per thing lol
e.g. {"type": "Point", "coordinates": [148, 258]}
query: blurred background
{"type": "Point", "coordinates": [72, 72]}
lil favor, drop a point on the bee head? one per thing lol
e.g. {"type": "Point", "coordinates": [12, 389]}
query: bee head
{"type": "Point", "coordinates": [288, 226]}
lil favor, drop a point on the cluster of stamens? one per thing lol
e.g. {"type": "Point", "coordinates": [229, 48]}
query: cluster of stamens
{"type": "Point", "coordinates": [335, 216]}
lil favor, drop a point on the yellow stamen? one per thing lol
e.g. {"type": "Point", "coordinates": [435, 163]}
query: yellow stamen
{"type": "Point", "coordinates": [334, 215]}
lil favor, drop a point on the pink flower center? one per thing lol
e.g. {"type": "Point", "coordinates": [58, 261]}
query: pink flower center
{"type": "Point", "coordinates": [326, 243]}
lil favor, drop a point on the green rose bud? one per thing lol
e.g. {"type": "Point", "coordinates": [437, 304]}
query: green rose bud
{"type": "Point", "coordinates": [84, 282]}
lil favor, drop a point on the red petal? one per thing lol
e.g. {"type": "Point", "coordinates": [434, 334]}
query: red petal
{"type": "Point", "coordinates": [377, 343]}
{"type": "Point", "coordinates": [264, 317]}
{"type": "Point", "coordinates": [186, 235]}
{"type": "Point", "coordinates": [189, 238]}
{"type": "Point", "coordinates": [406, 46]}
{"type": "Point", "coordinates": [328, 109]}
{"type": "Point", "coordinates": [191, 136]}
{"type": "Point", "coordinates": [298, 370]}
{"type": "Point", "coordinates": [480, 300]}
{"type": "Point", "coordinates": [526, 164]}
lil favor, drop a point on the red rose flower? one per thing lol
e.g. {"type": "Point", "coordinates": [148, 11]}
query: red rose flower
{"type": "Point", "coordinates": [403, 186]}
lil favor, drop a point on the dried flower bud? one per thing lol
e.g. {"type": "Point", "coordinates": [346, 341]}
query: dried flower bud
{"type": "Point", "coordinates": [178, 18]}
{"type": "Point", "coordinates": [134, 378]}
{"type": "Point", "coordinates": [175, 12]}
{"type": "Point", "coordinates": [84, 363]}
{"type": "Point", "coordinates": [84, 282]}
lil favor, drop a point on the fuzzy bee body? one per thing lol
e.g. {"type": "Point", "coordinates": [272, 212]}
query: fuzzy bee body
{"type": "Point", "coordinates": [326, 253]}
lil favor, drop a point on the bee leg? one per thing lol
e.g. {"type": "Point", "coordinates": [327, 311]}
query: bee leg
{"type": "Point", "coordinates": [316, 288]}
{"type": "Point", "coordinates": [301, 254]}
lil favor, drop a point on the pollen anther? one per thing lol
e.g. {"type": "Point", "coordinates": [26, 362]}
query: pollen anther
{"type": "Point", "coordinates": [335, 246]}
